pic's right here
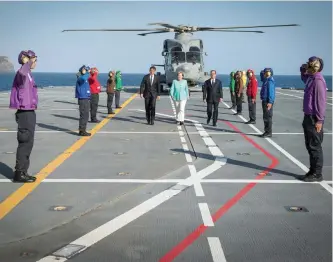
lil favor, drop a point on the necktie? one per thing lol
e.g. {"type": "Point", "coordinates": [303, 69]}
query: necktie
{"type": "Point", "coordinates": [151, 80]}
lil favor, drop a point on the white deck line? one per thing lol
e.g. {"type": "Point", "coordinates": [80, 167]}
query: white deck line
{"type": "Point", "coordinates": [205, 133]}
{"type": "Point", "coordinates": [284, 152]}
{"type": "Point", "coordinates": [205, 214]}
{"type": "Point", "coordinates": [296, 96]}
{"type": "Point", "coordinates": [216, 249]}
{"type": "Point", "coordinates": [169, 181]}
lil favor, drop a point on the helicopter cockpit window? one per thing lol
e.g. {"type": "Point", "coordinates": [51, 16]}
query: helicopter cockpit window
{"type": "Point", "coordinates": [177, 56]}
{"type": "Point", "coordinates": [193, 56]}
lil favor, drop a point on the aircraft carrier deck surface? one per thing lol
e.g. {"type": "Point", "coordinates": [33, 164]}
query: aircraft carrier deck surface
{"type": "Point", "coordinates": [136, 192]}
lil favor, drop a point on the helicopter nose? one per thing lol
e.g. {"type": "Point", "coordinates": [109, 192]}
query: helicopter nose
{"type": "Point", "coordinates": [184, 68]}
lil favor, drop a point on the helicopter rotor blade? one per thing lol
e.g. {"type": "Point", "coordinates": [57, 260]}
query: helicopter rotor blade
{"type": "Point", "coordinates": [235, 31]}
{"type": "Point", "coordinates": [239, 27]}
{"type": "Point", "coordinates": [110, 30]}
{"type": "Point", "coordinates": [165, 25]}
{"type": "Point", "coordinates": [155, 32]}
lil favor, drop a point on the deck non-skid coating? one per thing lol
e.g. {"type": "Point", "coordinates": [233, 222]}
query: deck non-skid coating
{"type": "Point", "coordinates": [250, 220]}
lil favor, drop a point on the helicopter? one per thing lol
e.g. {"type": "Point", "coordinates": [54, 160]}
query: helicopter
{"type": "Point", "coordinates": [184, 53]}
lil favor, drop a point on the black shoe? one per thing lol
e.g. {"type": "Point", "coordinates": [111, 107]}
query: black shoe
{"type": "Point", "coordinates": [23, 177]}
{"type": "Point", "coordinates": [250, 122]}
{"type": "Point", "coordinates": [311, 177]}
{"type": "Point", "coordinates": [84, 133]}
{"type": "Point", "coordinates": [95, 121]}
{"type": "Point", "coordinates": [152, 122]}
{"type": "Point", "coordinates": [118, 107]}
{"type": "Point", "coordinates": [214, 124]}
{"type": "Point", "coordinates": [208, 120]}
{"type": "Point", "coordinates": [237, 114]}
{"type": "Point", "coordinates": [266, 135]}
{"type": "Point", "coordinates": [111, 113]}
{"type": "Point", "coordinates": [181, 123]}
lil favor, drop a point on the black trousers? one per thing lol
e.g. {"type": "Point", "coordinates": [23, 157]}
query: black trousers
{"type": "Point", "coordinates": [84, 105]}
{"type": "Point", "coordinates": [239, 101]}
{"type": "Point", "coordinates": [110, 100]}
{"type": "Point", "coordinates": [215, 112]}
{"type": "Point", "coordinates": [94, 99]}
{"type": "Point", "coordinates": [150, 104]}
{"type": "Point", "coordinates": [233, 99]}
{"type": "Point", "coordinates": [26, 121]}
{"type": "Point", "coordinates": [313, 141]}
{"type": "Point", "coordinates": [252, 109]}
{"type": "Point", "coordinates": [267, 117]}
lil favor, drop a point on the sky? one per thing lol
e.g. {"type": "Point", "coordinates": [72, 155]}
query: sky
{"type": "Point", "coordinates": [38, 26]}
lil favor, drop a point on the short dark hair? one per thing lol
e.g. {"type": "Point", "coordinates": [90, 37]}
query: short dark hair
{"type": "Point", "coordinates": [213, 71]}
{"type": "Point", "coordinates": [152, 67]}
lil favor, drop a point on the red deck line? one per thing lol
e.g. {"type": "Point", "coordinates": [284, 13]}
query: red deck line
{"type": "Point", "coordinates": [180, 247]}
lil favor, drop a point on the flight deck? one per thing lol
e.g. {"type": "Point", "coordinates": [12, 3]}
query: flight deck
{"type": "Point", "coordinates": [138, 192]}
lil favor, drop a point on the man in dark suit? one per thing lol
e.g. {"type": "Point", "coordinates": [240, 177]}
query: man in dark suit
{"type": "Point", "coordinates": [150, 89]}
{"type": "Point", "coordinates": [213, 95]}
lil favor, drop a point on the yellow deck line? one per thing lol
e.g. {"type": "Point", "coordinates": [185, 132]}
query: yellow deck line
{"type": "Point", "coordinates": [21, 193]}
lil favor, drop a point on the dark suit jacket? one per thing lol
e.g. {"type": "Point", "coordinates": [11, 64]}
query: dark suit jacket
{"type": "Point", "coordinates": [212, 93]}
{"type": "Point", "coordinates": [146, 88]}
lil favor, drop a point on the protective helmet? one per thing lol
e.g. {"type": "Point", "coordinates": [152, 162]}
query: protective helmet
{"type": "Point", "coordinates": [28, 53]}
{"type": "Point", "coordinates": [267, 69]}
{"type": "Point", "coordinates": [84, 67]}
{"type": "Point", "coordinates": [316, 63]}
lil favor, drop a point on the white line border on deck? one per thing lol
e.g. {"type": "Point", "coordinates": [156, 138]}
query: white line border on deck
{"type": "Point", "coordinates": [153, 132]}
{"type": "Point", "coordinates": [296, 96]}
{"type": "Point", "coordinates": [216, 249]}
{"type": "Point", "coordinates": [284, 152]}
{"type": "Point", "coordinates": [169, 181]}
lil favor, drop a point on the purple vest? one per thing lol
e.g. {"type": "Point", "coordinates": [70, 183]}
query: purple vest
{"type": "Point", "coordinates": [23, 95]}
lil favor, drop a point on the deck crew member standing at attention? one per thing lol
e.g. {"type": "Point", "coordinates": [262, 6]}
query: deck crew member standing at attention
{"type": "Point", "coordinates": [232, 90]}
{"type": "Point", "coordinates": [119, 87]}
{"type": "Point", "coordinates": [24, 99]}
{"type": "Point", "coordinates": [150, 90]}
{"type": "Point", "coordinates": [244, 78]}
{"type": "Point", "coordinates": [239, 92]}
{"type": "Point", "coordinates": [82, 93]}
{"type": "Point", "coordinates": [267, 95]}
{"type": "Point", "coordinates": [180, 94]}
{"type": "Point", "coordinates": [110, 90]}
{"type": "Point", "coordinates": [251, 92]}
{"type": "Point", "coordinates": [213, 95]}
{"type": "Point", "coordinates": [95, 89]}
{"type": "Point", "coordinates": [314, 107]}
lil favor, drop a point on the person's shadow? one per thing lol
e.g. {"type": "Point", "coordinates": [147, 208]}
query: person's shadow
{"type": "Point", "coordinates": [6, 171]}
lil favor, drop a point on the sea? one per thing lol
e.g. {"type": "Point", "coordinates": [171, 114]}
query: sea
{"type": "Point", "coordinates": [46, 80]}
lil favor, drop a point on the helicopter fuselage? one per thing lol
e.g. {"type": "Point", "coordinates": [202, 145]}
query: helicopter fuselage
{"type": "Point", "coordinates": [184, 54]}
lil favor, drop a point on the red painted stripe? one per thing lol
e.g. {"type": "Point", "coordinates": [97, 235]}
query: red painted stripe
{"type": "Point", "coordinates": [180, 247]}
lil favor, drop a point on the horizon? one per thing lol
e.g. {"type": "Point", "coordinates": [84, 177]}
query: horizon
{"type": "Point", "coordinates": [283, 49]}
{"type": "Point", "coordinates": [129, 73]}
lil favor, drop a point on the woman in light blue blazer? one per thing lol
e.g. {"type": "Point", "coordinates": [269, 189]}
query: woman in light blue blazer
{"type": "Point", "coordinates": [180, 94]}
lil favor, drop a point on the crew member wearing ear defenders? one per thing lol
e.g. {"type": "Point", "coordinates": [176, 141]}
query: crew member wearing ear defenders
{"type": "Point", "coordinates": [267, 96]}
{"type": "Point", "coordinates": [95, 89]}
{"type": "Point", "coordinates": [314, 107]}
{"type": "Point", "coordinates": [82, 93]}
{"type": "Point", "coordinates": [24, 99]}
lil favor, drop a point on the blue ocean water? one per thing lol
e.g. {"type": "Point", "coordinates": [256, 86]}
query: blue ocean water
{"type": "Point", "coordinates": [69, 79]}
